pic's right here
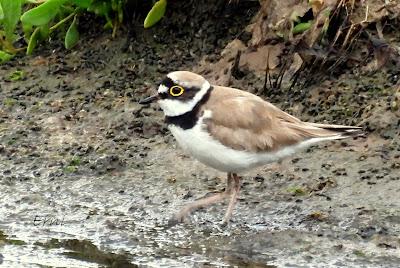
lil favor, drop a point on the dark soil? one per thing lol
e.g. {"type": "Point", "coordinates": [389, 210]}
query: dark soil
{"type": "Point", "coordinates": [91, 178]}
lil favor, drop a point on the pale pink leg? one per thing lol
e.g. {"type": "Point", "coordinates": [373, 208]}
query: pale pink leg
{"type": "Point", "coordinates": [232, 201]}
{"type": "Point", "coordinates": [184, 212]}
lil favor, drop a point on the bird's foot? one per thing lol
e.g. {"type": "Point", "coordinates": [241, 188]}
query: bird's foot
{"type": "Point", "coordinates": [174, 221]}
{"type": "Point", "coordinates": [224, 223]}
{"type": "Point", "coordinates": [180, 217]}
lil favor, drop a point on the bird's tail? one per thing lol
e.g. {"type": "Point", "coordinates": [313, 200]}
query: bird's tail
{"type": "Point", "coordinates": [340, 131]}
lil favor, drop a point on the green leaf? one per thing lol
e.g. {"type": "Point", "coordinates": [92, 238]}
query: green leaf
{"type": "Point", "coordinates": [4, 56]}
{"type": "Point", "coordinates": [100, 8]}
{"type": "Point", "coordinates": [155, 14]}
{"type": "Point", "coordinates": [72, 36]}
{"type": "Point", "coordinates": [27, 28]}
{"type": "Point", "coordinates": [42, 14]}
{"type": "Point", "coordinates": [1, 13]}
{"type": "Point", "coordinates": [302, 27]}
{"type": "Point", "coordinates": [39, 34]}
{"type": "Point", "coordinates": [114, 4]}
{"type": "Point", "coordinates": [16, 75]}
{"type": "Point", "coordinates": [82, 3]}
{"type": "Point", "coordinates": [109, 24]}
{"type": "Point", "coordinates": [11, 10]}
{"type": "Point", "coordinates": [117, 7]}
{"type": "Point", "coordinates": [44, 31]}
{"type": "Point", "coordinates": [33, 41]}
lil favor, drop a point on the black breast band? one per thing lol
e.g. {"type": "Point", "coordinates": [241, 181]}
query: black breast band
{"type": "Point", "coordinates": [188, 119]}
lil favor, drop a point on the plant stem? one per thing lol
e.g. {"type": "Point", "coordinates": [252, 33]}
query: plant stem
{"type": "Point", "coordinates": [20, 49]}
{"type": "Point", "coordinates": [55, 26]}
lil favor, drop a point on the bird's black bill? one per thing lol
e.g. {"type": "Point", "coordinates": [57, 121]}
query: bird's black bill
{"type": "Point", "coordinates": [149, 99]}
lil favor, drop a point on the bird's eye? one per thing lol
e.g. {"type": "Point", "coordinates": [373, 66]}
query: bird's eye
{"type": "Point", "coordinates": [176, 91]}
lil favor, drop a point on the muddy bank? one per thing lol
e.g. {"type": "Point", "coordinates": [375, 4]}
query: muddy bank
{"type": "Point", "coordinates": [89, 178]}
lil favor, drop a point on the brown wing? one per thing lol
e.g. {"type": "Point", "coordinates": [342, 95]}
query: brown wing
{"type": "Point", "coordinates": [243, 121]}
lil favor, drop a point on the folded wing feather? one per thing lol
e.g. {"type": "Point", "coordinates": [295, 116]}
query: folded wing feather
{"type": "Point", "coordinates": [243, 121]}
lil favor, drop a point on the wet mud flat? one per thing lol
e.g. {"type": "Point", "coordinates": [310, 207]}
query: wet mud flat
{"type": "Point", "coordinates": [89, 178]}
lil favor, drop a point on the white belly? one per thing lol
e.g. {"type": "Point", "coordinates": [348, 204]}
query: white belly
{"type": "Point", "coordinates": [197, 142]}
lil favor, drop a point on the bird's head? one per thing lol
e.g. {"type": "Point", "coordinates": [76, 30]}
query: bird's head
{"type": "Point", "coordinates": [179, 92]}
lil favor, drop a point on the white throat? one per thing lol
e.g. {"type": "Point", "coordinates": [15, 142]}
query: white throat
{"type": "Point", "coordinates": [173, 107]}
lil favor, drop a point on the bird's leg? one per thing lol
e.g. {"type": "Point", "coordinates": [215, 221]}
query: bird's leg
{"type": "Point", "coordinates": [181, 215]}
{"type": "Point", "coordinates": [234, 195]}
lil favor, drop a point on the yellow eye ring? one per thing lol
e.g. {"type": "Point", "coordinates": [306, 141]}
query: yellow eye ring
{"type": "Point", "coordinates": [176, 91]}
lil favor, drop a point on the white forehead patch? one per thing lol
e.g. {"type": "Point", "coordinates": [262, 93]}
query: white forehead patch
{"type": "Point", "coordinates": [162, 89]}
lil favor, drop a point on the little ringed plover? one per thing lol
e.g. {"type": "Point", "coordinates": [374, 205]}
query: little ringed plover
{"type": "Point", "coordinates": [232, 130]}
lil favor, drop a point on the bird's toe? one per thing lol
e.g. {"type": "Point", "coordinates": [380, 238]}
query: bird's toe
{"type": "Point", "coordinates": [176, 219]}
